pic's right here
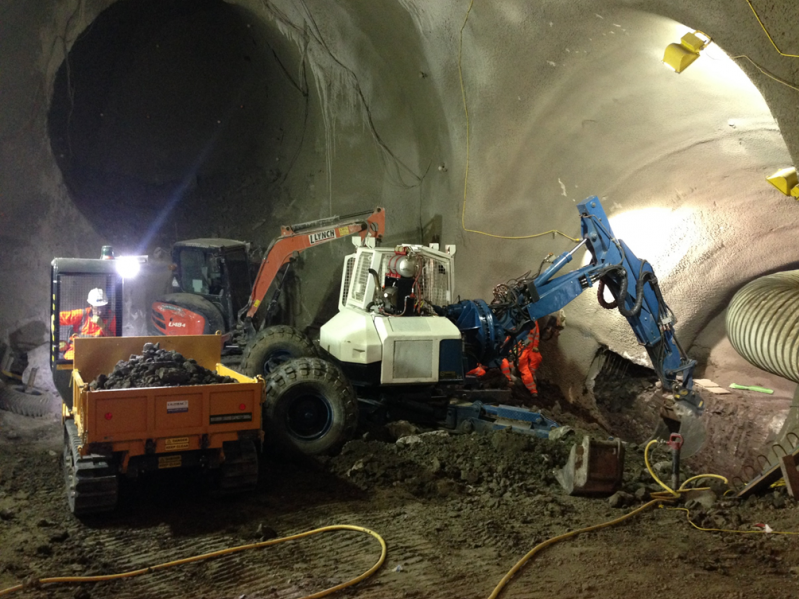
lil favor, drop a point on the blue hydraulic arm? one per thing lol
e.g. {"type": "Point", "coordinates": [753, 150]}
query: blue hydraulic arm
{"type": "Point", "coordinates": [492, 330]}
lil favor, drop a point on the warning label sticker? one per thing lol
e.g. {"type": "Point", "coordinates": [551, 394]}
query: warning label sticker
{"type": "Point", "coordinates": [174, 407]}
{"type": "Point", "coordinates": [176, 443]}
{"type": "Point", "coordinates": [170, 461]}
{"type": "Point", "coordinates": [221, 418]}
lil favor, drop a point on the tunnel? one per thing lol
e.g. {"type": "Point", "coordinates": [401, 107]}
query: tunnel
{"type": "Point", "coordinates": [163, 108]}
{"type": "Point", "coordinates": [141, 123]}
{"type": "Point", "coordinates": [173, 120]}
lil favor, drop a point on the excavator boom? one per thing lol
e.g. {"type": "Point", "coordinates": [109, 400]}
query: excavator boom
{"type": "Point", "coordinates": [295, 239]}
{"type": "Point", "coordinates": [491, 330]}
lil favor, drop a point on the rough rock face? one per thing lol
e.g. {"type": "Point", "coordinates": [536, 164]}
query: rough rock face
{"type": "Point", "coordinates": [157, 367]}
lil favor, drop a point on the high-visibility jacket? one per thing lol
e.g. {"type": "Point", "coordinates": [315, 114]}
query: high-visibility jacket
{"type": "Point", "coordinates": [478, 371]}
{"type": "Point", "coordinates": [84, 325]}
{"type": "Point", "coordinates": [528, 359]}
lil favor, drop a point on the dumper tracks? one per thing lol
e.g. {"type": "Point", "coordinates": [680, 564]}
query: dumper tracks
{"type": "Point", "coordinates": [92, 485]}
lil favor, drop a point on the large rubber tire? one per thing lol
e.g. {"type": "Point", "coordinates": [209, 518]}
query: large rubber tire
{"type": "Point", "coordinates": [214, 321]}
{"type": "Point", "coordinates": [32, 403]}
{"type": "Point", "coordinates": [310, 407]}
{"type": "Point", "coordinates": [274, 346]}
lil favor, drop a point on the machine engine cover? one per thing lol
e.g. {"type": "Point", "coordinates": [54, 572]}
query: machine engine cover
{"type": "Point", "coordinates": [412, 347]}
{"type": "Point", "coordinates": [350, 336]}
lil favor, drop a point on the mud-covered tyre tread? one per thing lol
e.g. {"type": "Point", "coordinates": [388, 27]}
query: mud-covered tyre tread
{"type": "Point", "coordinates": [14, 399]}
{"type": "Point", "coordinates": [323, 376]}
{"type": "Point", "coordinates": [214, 321]}
{"type": "Point", "coordinates": [281, 338]}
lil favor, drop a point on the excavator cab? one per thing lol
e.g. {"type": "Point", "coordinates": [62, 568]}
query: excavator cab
{"type": "Point", "coordinates": [216, 287]}
{"type": "Point", "coordinates": [211, 284]}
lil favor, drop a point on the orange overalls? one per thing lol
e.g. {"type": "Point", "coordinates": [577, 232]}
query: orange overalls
{"type": "Point", "coordinates": [528, 359]}
{"type": "Point", "coordinates": [84, 325]}
{"type": "Point", "coordinates": [478, 371]}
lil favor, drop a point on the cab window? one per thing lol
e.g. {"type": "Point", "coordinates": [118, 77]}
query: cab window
{"type": "Point", "coordinates": [200, 272]}
{"type": "Point", "coordinates": [238, 269]}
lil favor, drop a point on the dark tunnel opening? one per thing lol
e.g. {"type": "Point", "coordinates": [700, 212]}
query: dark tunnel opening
{"type": "Point", "coordinates": [161, 108]}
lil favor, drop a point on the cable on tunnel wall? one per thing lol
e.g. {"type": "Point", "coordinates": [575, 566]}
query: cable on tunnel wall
{"type": "Point", "coordinates": [466, 175]}
{"type": "Point", "coordinates": [466, 113]}
{"type": "Point", "coordinates": [765, 72]}
{"type": "Point", "coordinates": [768, 35]}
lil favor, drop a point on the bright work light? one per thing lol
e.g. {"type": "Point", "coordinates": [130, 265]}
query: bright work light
{"type": "Point", "coordinates": [129, 266]}
{"type": "Point", "coordinates": [680, 56]}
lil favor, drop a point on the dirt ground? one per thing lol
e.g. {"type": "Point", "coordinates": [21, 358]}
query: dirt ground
{"type": "Point", "coordinates": [456, 511]}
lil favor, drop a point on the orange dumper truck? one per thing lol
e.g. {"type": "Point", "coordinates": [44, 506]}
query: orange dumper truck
{"type": "Point", "coordinates": [109, 433]}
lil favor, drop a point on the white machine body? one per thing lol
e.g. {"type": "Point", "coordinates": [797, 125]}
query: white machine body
{"type": "Point", "coordinates": [408, 347]}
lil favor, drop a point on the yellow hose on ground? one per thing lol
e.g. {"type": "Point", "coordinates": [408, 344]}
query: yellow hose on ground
{"type": "Point", "coordinates": [745, 532]}
{"type": "Point", "coordinates": [498, 589]}
{"type": "Point", "coordinates": [670, 493]}
{"type": "Point", "coordinates": [219, 553]}
{"type": "Point", "coordinates": [660, 497]}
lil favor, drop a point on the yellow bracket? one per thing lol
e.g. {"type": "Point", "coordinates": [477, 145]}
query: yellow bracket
{"type": "Point", "coordinates": [786, 181]}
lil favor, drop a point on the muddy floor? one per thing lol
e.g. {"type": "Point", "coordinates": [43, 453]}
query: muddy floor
{"type": "Point", "coordinates": [456, 512]}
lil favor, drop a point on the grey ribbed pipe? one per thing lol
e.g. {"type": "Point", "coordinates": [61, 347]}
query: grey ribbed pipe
{"type": "Point", "coordinates": [763, 323]}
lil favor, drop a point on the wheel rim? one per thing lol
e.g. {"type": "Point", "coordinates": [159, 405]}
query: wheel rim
{"type": "Point", "coordinates": [308, 416]}
{"type": "Point", "coordinates": [275, 359]}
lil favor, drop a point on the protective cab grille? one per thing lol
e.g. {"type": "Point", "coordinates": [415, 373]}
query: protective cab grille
{"type": "Point", "coordinates": [362, 276]}
{"type": "Point", "coordinates": [349, 265]}
{"type": "Point", "coordinates": [434, 283]}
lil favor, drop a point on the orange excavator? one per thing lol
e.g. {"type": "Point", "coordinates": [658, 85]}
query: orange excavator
{"type": "Point", "coordinates": [217, 288]}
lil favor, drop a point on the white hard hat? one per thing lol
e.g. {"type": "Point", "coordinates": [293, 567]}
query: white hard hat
{"type": "Point", "coordinates": [97, 297]}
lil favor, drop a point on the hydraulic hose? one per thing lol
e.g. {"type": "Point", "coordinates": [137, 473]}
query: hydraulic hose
{"type": "Point", "coordinates": [639, 291]}
{"type": "Point", "coordinates": [600, 296]}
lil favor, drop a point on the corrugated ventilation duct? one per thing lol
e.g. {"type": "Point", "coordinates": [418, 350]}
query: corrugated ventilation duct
{"type": "Point", "coordinates": [763, 323]}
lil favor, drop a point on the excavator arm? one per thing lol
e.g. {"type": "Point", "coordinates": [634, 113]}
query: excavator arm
{"type": "Point", "coordinates": [491, 330]}
{"type": "Point", "coordinates": [295, 239]}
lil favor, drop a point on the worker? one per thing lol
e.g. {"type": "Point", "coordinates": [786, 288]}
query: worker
{"type": "Point", "coordinates": [95, 320]}
{"type": "Point", "coordinates": [527, 360]}
{"type": "Point", "coordinates": [478, 371]}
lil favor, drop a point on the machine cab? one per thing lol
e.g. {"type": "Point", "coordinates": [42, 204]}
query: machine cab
{"type": "Point", "coordinates": [77, 284]}
{"type": "Point", "coordinates": [218, 270]}
{"type": "Point", "coordinates": [386, 331]}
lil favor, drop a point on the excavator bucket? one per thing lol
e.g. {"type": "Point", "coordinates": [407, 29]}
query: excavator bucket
{"type": "Point", "coordinates": [685, 418]}
{"type": "Point", "coordinates": [594, 468]}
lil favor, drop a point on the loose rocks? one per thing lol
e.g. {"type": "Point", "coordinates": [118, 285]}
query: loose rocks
{"type": "Point", "coordinates": [157, 367]}
{"type": "Point", "coordinates": [440, 464]}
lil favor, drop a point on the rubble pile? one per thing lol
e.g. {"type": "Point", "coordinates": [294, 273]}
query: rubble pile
{"type": "Point", "coordinates": [157, 367]}
{"type": "Point", "coordinates": [441, 463]}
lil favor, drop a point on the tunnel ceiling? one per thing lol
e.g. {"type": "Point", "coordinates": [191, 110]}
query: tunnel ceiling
{"type": "Point", "coordinates": [162, 106]}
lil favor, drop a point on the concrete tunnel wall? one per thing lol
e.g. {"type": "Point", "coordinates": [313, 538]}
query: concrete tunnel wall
{"type": "Point", "coordinates": [251, 114]}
